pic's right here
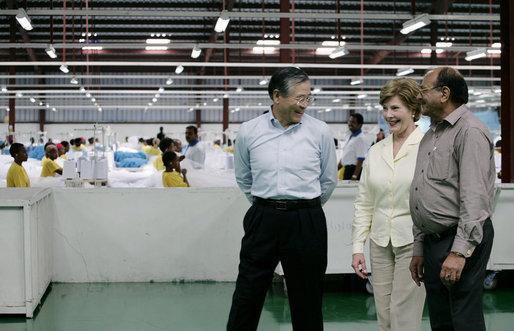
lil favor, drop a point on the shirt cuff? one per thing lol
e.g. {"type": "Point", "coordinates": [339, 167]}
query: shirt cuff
{"type": "Point", "coordinates": [462, 246]}
{"type": "Point", "coordinates": [418, 249]}
{"type": "Point", "coordinates": [358, 247]}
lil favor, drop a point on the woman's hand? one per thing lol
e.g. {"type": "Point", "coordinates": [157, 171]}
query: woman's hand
{"type": "Point", "coordinates": [359, 265]}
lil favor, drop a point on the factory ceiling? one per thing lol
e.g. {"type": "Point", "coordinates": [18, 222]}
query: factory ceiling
{"type": "Point", "coordinates": [127, 54]}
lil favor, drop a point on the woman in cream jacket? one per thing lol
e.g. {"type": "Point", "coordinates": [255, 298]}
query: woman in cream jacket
{"type": "Point", "coordinates": [382, 211]}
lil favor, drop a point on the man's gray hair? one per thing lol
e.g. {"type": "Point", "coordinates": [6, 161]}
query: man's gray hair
{"type": "Point", "coordinates": [284, 79]}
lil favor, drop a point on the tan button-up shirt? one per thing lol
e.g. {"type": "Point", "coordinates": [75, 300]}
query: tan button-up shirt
{"type": "Point", "coordinates": [454, 181]}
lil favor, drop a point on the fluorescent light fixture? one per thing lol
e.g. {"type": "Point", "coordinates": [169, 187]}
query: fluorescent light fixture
{"type": "Point", "coordinates": [157, 95]}
{"type": "Point", "coordinates": [195, 53]}
{"type": "Point", "coordinates": [92, 48]}
{"type": "Point", "coordinates": [497, 90]}
{"type": "Point", "coordinates": [404, 71]}
{"type": "Point", "coordinates": [362, 96]}
{"type": "Point", "coordinates": [93, 99]}
{"type": "Point", "coordinates": [7, 109]}
{"type": "Point", "coordinates": [225, 96]}
{"type": "Point", "coordinates": [443, 44]}
{"type": "Point", "coordinates": [316, 90]}
{"type": "Point", "coordinates": [81, 40]}
{"type": "Point", "coordinates": [47, 106]}
{"type": "Point", "coordinates": [477, 53]}
{"type": "Point", "coordinates": [179, 69]}
{"type": "Point", "coordinates": [41, 103]}
{"type": "Point", "coordinates": [160, 41]}
{"type": "Point", "coordinates": [100, 109]}
{"type": "Point", "coordinates": [336, 100]}
{"type": "Point", "coordinates": [356, 81]}
{"type": "Point", "coordinates": [50, 50]}
{"type": "Point", "coordinates": [266, 46]}
{"type": "Point", "coordinates": [328, 110]}
{"type": "Point", "coordinates": [88, 95]}
{"type": "Point", "coordinates": [154, 100]}
{"type": "Point", "coordinates": [32, 100]}
{"type": "Point", "coordinates": [496, 45]}
{"type": "Point", "coordinates": [439, 51]}
{"type": "Point", "coordinates": [205, 103]}
{"type": "Point", "coordinates": [426, 51]}
{"type": "Point", "coordinates": [156, 48]}
{"type": "Point", "coordinates": [169, 81]}
{"type": "Point", "coordinates": [328, 47]}
{"type": "Point", "coordinates": [495, 49]}
{"type": "Point", "coordinates": [161, 89]}
{"type": "Point", "coordinates": [54, 109]}
{"type": "Point", "coordinates": [268, 42]}
{"type": "Point", "coordinates": [4, 89]}
{"type": "Point", "coordinates": [338, 52]}
{"type": "Point", "coordinates": [19, 94]}
{"type": "Point", "coordinates": [222, 22]}
{"type": "Point", "coordinates": [23, 19]}
{"type": "Point", "coordinates": [82, 89]}
{"type": "Point", "coordinates": [149, 103]}
{"type": "Point", "coordinates": [415, 23]}
{"type": "Point", "coordinates": [64, 68]}
{"type": "Point", "coordinates": [239, 89]}
{"type": "Point", "coordinates": [215, 100]}
{"type": "Point", "coordinates": [263, 81]}
{"type": "Point", "coordinates": [237, 109]}
{"type": "Point", "coordinates": [74, 80]}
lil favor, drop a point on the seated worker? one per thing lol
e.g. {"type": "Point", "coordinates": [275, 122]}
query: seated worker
{"type": "Point", "coordinates": [229, 148]}
{"type": "Point", "coordinates": [77, 145]}
{"type": "Point", "coordinates": [217, 144]}
{"type": "Point", "coordinates": [91, 142]}
{"type": "Point", "coordinates": [60, 151]}
{"type": "Point", "coordinates": [171, 176]}
{"type": "Point", "coordinates": [165, 145]}
{"type": "Point", "coordinates": [152, 147]}
{"type": "Point", "coordinates": [66, 146]}
{"type": "Point", "coordinates": [17, 176]}
{"type": "Point", "coordinates": [44, 157]}
{"type": "Point", "coordinates": [50, 167]}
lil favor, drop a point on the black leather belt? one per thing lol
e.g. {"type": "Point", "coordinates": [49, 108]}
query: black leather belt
{"type": "Point", "coordinates": [285, 204]}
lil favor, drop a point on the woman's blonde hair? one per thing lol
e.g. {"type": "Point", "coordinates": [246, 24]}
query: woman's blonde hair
{"type": "Point", "coordinates": [407, 90]}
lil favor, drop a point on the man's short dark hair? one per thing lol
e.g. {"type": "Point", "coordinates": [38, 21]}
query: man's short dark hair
{"type": "Point", "coordinates": [48, 144]}
{"type": "Point", "coordinates": [15, 148]}
{"type": "Point", "coordinates": [168, 157]}
{"type": "Point", "coordinates": [284, 79]}
{"type": "Point", "coordinates": [165, 144]}
{"type": "Point", "coordinates": [358, 117]}
{"type": "Point", "coordinates": [64, 143]}
{"type": "Point", "coordinates": [194, 128]}
{"type": "Point", "coordinates": [455, 82]}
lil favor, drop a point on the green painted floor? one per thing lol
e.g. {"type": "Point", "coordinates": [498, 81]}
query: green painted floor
{"type": "Point", "coordinates": [205, 306]}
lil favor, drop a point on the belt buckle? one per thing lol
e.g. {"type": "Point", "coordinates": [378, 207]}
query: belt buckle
{"type": "Point", "coordinates": [281, 205]}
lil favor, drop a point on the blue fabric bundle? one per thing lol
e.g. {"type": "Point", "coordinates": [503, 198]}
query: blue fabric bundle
{"type": "Point", "coordinates": [37, 152]}
{"type": "Point", "coordinates": [129, 160]}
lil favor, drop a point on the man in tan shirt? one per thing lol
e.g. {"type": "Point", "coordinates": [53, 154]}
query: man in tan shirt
{"type": "Point", "coordinates": [451, 201]}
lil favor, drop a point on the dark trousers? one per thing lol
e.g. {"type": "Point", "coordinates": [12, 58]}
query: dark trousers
{"type": "Point", "coordinates": [459, 306]}
{"type": "Point", "coordinates": [349, 170]}
{"type": "Point", "coordinates": [296, 238]}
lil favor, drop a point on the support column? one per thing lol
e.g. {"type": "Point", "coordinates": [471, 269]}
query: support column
{"type": "Point", "coordinates": [12, 72]}
{"type": "Point", "coordinates": [198, 118]}
{"type": "Point", "coordinates": [507, 86]}
{"type": "Point", "coordinates": [285, 54]}
{"type": "Point", "coordinates": [225, 118]}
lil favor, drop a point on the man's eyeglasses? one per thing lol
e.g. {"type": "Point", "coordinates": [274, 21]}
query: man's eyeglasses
{"type": "Point", "coordinates": [304, 100]}
{"type": "Point", "coordinates": [424, 90]}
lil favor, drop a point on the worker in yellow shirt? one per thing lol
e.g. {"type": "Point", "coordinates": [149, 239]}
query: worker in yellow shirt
{"type": "Point", "coordinates": [166, 144]}
{"type": "Point", "coordinates": [50, 167]}
{"type": "Point", "coordinates": [66, 146]}
{"type": "Point", "coordinates": [172, 177]}
{"type": "Point", "coordinates": [17, 176]}
{"type": "Point", "coordinates": [153, 148]}
{"type": "Point", "coordinates": [60, 151]}
{"type": "Point", "coordinates": [78, 145]}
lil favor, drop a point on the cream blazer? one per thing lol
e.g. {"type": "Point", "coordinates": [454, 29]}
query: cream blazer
{"type": "Point", "coordinates": [382, 202]}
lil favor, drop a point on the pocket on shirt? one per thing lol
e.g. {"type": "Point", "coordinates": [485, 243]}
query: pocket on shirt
{"type": "Point", "coordinates": [439, 165]}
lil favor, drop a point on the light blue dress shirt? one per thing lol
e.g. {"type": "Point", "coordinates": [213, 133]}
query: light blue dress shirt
{"type": "Point", "coordinates": [297, 163]}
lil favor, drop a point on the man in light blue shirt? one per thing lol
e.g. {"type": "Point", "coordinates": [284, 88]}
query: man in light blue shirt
{"type": "Point", "coordinates": [285, 163]}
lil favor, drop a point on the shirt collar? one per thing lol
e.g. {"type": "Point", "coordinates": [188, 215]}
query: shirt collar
{"type": "Point", "coordinates": [452, 118]}
{"type": "Point", "coordinates": [196, 142]}
{"type": "Point", "coordinates": [275, 122]}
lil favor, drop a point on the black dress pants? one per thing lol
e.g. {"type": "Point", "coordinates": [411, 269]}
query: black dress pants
{"type": "Point", "coordinates": [296, 238]}
{"type": "Point", "coordinates": [459, 306]}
